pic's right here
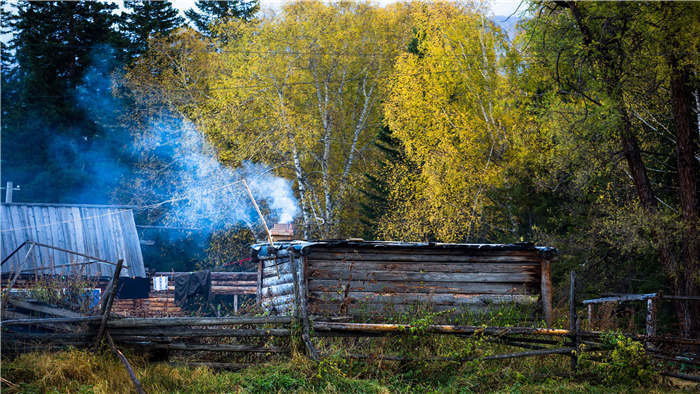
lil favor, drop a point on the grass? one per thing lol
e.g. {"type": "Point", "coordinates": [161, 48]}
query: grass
{"type": "Point", "coordinates": [626, 368]}
{"type": "Point", "coordinates": [79, 371]}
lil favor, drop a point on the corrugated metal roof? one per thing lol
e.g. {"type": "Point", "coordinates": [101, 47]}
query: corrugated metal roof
{"type": "Point", "coordinates": [263, 250]}
{"type": "Point", "coordinates": [106, 232]}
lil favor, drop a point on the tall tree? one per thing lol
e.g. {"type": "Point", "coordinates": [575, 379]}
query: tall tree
{"type": "Point", "coordinates": [146, 19]}
{"type": "Point", "coordinates": [451, 107]}
{"type": "Point", "coordinates": [55, 43]}
{"type": "Point", "coordinates": [622, 45]}
{"type": "Point", "coordinates": [320, 93]}
{"type": "Point", "coordinates": [208, 13]}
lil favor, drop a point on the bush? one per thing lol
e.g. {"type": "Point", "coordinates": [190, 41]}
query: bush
{"type": "Point", "coordinates": [627, 363]}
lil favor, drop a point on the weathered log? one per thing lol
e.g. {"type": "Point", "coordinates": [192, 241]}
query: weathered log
{"type": "Point", "coordinates": [533, 353]}
{"type": "Point", "coordinates": [277, 280]}
{"type": "Point", "coordinates": [278, 290]}
{"type": "Point", "coordinates": [344, 274]}
{"type": "Point", "coordinates": [217, 348]}
{"type": "Point", "coordinates": [197, 321]}
{"type": "Point", "coordinates": [434, 299]}
{"type": "Point", "coordinates": [25, 322]}
{"type": "Point", "coordinates": [44, 309]}
{"type": "Point", "coordinates": [233, 289]}
{"type": "Point", "coordinates": [277, 300]}
{"type": "Point", "coordinates": [107, 305]}
{"type": "Point", "coordinates": [440, 329]}
{"type": "Point", "coordinates": [420, 266]}
{"type": "Point", "coordinates": [417, 286]}
{"type": "Point", "coordinates": [417, 256]}
{"type": "Point", "coordinates": [196, 333]}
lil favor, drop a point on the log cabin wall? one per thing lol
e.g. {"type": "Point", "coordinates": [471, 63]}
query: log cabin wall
{"type": "Point", "coordinates": [276, 280]}
{"type": "Point", "coordinates": [362, 278]}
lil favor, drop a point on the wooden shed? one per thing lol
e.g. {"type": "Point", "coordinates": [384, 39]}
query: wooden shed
{"type": "Point", "coordinates": [107, 232]}
{"type": "Point", "coordinates": [357, 277]}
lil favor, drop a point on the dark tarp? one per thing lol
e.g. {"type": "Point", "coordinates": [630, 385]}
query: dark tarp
{"type": "Point", "coordinates": [189, 285]}
{"type": "Point", "coordinates": [133, 288]}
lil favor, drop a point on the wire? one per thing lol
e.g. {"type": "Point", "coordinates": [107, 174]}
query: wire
{"type": "Point", "coordinates": [117, 212]}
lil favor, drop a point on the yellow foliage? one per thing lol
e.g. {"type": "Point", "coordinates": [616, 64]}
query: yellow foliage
{"type": "Point", "coordinates": [302, 91]}
{"type": "Point", "coordinates": [451, 105]}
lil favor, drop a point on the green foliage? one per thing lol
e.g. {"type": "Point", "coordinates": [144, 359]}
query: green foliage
{"type": "Point", "coordinates": [208, 13]}
{"type": "Point", "coordinates": [147, 19]}
{"type": "Point", "coordinates": [627, 363]}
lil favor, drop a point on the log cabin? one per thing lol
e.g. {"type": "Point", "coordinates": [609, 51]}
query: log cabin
{"type": "Point", "coordinates": [359, 278]}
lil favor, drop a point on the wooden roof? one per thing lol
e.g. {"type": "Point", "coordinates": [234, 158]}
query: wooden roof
{"type": "Point", "coordinates": [107, 232]}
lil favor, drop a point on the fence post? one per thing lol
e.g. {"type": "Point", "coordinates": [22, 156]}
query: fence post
{"type": "Point", "coordinates": [651, 319]}
{"type": "Point", "coordinates": [107, 302]}
{"type": "Point", "coordinates": [573, 320]}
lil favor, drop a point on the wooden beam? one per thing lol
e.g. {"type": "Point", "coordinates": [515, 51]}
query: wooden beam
{"type": "Point", "coordinates": [197, 321]}
{"type": "Point", "coordinates": [44, 309]}
{"type": "Point", "coordinates": [107, 305]}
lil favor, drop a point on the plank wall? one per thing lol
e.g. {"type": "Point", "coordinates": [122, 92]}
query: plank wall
{"type": "Point", "coordinates": [353, 281]}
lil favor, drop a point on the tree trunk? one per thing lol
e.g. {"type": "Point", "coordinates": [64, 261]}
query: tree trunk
{"type": "Point", "coordinates": [611, 63]}
{"type": "Point", "coordinates": [685, 125]}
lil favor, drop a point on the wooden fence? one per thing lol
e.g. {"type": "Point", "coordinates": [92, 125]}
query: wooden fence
{"type": "Point", "coordinates": [278, 333]}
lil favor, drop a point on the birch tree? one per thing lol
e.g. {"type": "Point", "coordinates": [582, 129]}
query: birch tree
{"type": "Point", "coordinates": [302, 91]}
{"type": "Point", "coordinates": [450, 105]}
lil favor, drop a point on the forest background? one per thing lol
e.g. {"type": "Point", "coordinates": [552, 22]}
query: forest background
{"type": "Point", "coordinates": [414, 121]}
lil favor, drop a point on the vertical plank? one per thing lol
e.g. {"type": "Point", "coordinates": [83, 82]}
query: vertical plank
{"type": "Point", "coordinates": [56, 234]}
{"type": "Point", "coordinates": [17, 224]}
{"type": "Point", "coordinates": [546, 290]}
{"type": "Point", "coordinates": [66, 228]}
{"type": "Point", "coordinates": [79, 233]}
{"type": "Point", "coordinates": [651, 318]}
{"type": "Point", "coordinates": [258, 291]}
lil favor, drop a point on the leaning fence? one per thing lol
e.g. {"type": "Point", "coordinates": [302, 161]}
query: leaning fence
{"type": "Point", "coordinates": [262, 337]}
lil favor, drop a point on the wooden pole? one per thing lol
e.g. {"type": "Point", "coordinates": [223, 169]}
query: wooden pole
{"type": "Point", "coordinates": [572, 319]}
{"type": "Point", "coordinates": [124, 361]}
{"type": "Point", "coordinates": [546, 291]}
{"type": "Point", "coordinates": [107, 303]}
{"type": "Point", "coordinates": [590, 316]}
{"type": "Point", "coordinates": [255, 204]}
{"type": "Point", "coordinates": [301, 313]}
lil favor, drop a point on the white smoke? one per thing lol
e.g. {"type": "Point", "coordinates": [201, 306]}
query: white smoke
{"type": "Point", "coordinates": [206, 192]}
